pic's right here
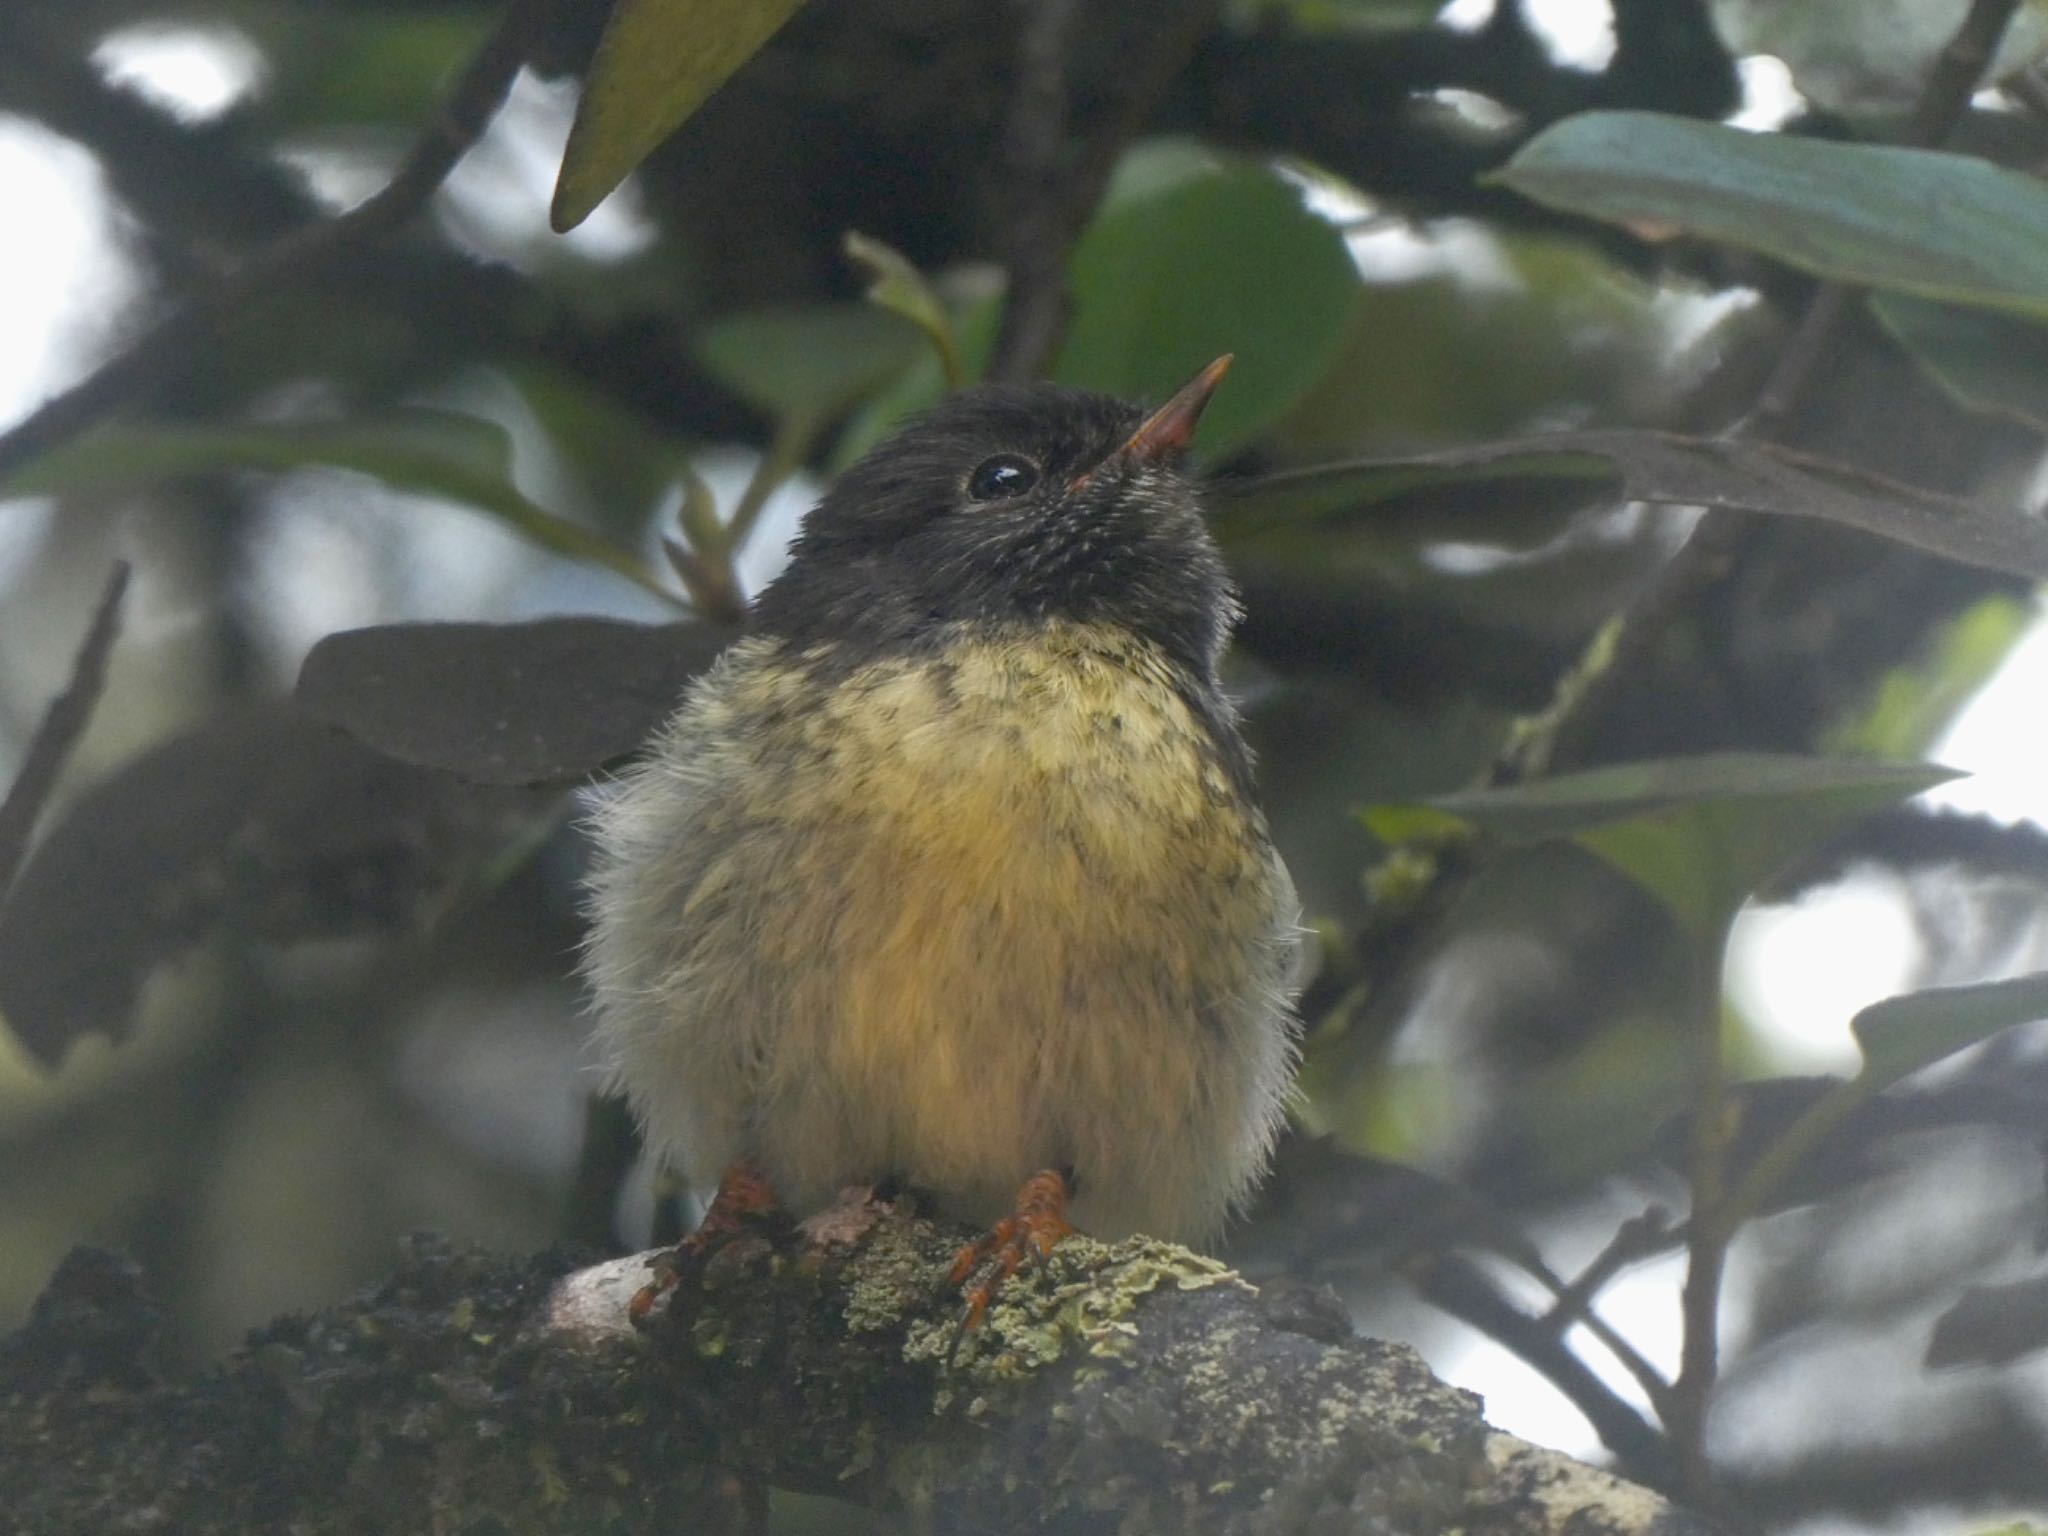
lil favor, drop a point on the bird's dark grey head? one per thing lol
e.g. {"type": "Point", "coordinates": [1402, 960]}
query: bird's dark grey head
{"type": "Point", "coordinates": [1008, 506]}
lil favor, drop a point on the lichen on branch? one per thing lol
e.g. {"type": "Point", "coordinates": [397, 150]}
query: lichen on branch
{"type": "Point", "coordinates": [1128, 1388]}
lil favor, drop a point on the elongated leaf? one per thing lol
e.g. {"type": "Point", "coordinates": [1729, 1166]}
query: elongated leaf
{"type": "Point", "coordinates": [1988, 362]}
{"type": "Point", "coordinates": [658, 62]}
{"type": "Point", "coordinates": [1903, 1034]}
{"type": "Point", "coordinates": [437, 453]}
{"type": "Point", "coordinates": [1898, 1036]}
{"type": "Point", "coordinates": [1700, 833]}
{"type": "Point", "coordinates": [546, 702]}
{"type": "Point", "coordinates": [1944, 226]}
{"type": "Point", "coordinates": [1572, 803]}
{"type": "Point", "coordinates": [1656, 467]}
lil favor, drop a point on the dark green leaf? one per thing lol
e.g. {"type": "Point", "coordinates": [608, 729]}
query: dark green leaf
{"type": "Point", "coordinates": [1227, 260]}
{"type": "Point", "coordinates": [265, 821]}
{"type": "Point", "coordinates": [1700, 833]}
{"type": "Point", "coordinates": [1191, 257]}
{"type": "Point", "coordinates": [1944, 226]}
{"type": "Point", "coordinates": [378, 68]}
{"type": "Point", "coordinates": [1657, 467]}
{"type": "Point", "coordinates": [547, 702]}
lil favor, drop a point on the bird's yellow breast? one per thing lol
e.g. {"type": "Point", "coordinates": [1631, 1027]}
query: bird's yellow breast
{"type": "Point", "coordinates": [1014, 883]}
{"type": "Point", "coordinates": [956, 916]}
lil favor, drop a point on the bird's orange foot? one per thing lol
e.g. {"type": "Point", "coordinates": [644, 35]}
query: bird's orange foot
{"type": "Point", "coordinates": [743, 1192]}
{"type": "Point", "coordinates": [1029, 1233]}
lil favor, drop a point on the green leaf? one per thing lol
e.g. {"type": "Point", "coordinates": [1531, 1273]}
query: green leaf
{"type": "Point", "coordinates": [1898, 1036]}
{"type": "Point", "coordinates": [1427, 824]}
{"type": "Point", "coordinates": [1656, 467]}
{"type": "Point", "coordinates": [659, 61]}
{"type": "Point", "coordinates": [1913, 704]}
{"type": "Point", "coordinates": [896, 285]}
{"type": "Point", "coordinates": [1944, 226]}
{"type": "Point", "coordinates": [548, 701]}
{"type": "Point", "coordinates": [807, 364]}
{"type": "Point", "coordinates": [1988, 362]}
{"type": "Point", "coordinates": [1700, 833]}
{"type": "Point", "coordinates": [436, 453]}
{"type": "Point", "coordinates": [1903, 1034]}
{"type": "Point", "coordinates": [1226, 260]}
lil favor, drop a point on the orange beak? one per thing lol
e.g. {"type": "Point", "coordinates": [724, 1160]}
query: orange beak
{"type": "Point", "coordinates": [1168, 430]}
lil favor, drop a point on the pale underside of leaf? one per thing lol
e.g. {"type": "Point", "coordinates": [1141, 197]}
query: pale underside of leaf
{"type": "Point", "coordinates": [1926, 222]}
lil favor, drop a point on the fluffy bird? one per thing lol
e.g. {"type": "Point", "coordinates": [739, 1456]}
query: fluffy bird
{"type": "Point", "coordinates": [950, 873]}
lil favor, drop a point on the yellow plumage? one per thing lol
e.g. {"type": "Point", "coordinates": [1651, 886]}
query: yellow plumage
{"type": "Point", "coordinates": [953, 915]}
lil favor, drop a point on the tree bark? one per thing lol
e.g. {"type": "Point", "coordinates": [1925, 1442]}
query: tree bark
{"type": "Point", "coordinates": [1125, 1389]}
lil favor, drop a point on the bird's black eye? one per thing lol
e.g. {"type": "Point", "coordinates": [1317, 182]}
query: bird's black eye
{"type": "Point", "coordinates": [1005, 475]}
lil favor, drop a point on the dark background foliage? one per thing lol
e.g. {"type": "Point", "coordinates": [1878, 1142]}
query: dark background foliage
{"type": "Point", "coordinates": [286, 977]}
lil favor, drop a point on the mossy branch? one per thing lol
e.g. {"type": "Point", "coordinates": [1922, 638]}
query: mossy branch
{"type": "Point", "coordinates": [1129, 1388]}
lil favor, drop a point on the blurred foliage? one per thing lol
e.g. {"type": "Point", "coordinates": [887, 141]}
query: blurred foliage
{"type": "Point", "coordinates": [1493, 315]}
{"type": "Point", "coordinates": [1866, 57]}
{"type": "Point", "coordinates": [1926, 222]}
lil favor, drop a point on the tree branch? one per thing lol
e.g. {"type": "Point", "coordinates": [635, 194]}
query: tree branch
{"type": "Point", "coordinates": [1057, 182]}
{"type": "Point", "coordinates": [63, 723]}
{"type": "Point", "coordinates": [1126, 1389]}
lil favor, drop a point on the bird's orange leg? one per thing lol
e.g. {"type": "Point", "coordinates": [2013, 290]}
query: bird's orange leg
{"type": "Point", "coordinates": [743, 1192]}
{"type": "Point", "coordinates": [1031, 1231]}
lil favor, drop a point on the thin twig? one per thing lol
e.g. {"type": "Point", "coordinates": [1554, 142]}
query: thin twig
{"type": "Point", "coordinates": [164, 347]}
{"type": "Point", "coordinates": [1455, 1286]}
{"type": "Point", "coordinates": [1571, 1305]}
{"type": "Point", "coordinates": [1057, 185]}
{"type": "Point", "coordinates": [1640, 1237]}
{"type": "Point", "coordinates": [1637, 1238]}
{"type": "Point", "coordinates": [1692, 1393]}
{"type": "Point", "coordinates": [785, 455]}
{"type": "Point", "coordinates": [1947, 93]}
{"type": "Point", "coordinates": [63, 723]}
{"type": "Point", "coordinates": [1038, 234]}
{"type": "Point", "coordinates": [1959, 72]}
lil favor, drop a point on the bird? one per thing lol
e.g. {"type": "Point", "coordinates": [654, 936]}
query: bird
{"type": "Point", "coordinates": [950, 874]}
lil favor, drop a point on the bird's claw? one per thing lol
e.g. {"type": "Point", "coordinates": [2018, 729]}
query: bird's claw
{"type": "Point", "coordinates": [1028, 1235]}
{"type": "Point", "coordinates": [744, 1194]}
